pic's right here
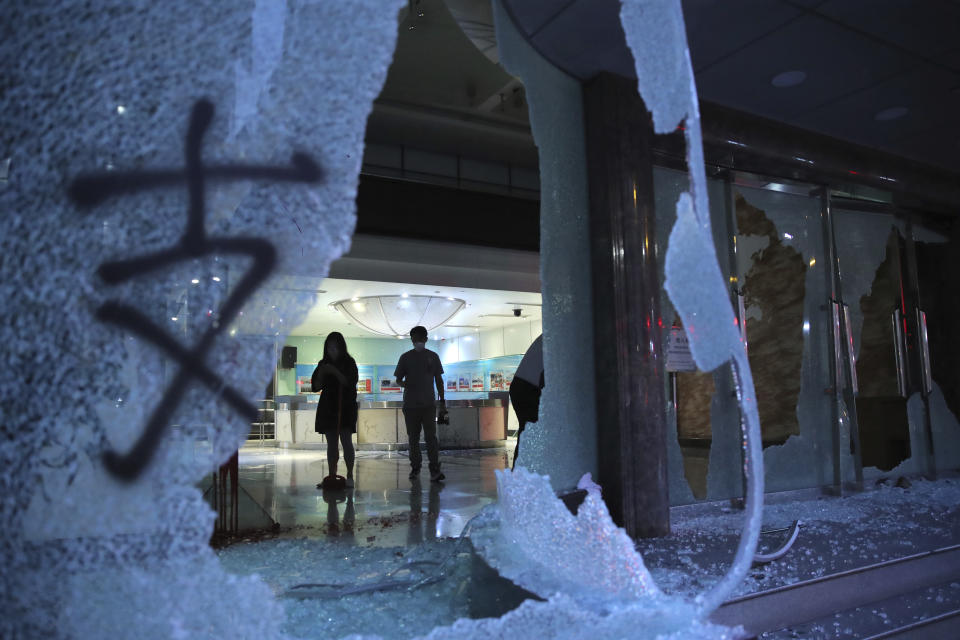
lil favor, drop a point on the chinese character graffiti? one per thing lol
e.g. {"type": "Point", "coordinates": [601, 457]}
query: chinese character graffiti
{"type": "Point", "coordinates": [91, 189]}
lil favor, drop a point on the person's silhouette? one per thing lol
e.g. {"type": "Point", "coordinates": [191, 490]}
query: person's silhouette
{"type": "Point", "coordinates": [418, 372]}
{"type": "Point", "coordinates": [526, 388]}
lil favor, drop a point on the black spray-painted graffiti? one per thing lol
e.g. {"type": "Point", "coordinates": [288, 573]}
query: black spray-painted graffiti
{"type": "Point", "coordinates": [91, 189]}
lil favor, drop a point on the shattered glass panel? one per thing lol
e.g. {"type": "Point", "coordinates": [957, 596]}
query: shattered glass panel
{"type": "Point", "coordinates": [170, 160]}
{"type": "Point", "coordinates": [938, 272]}
{"type": "Point", "coordinates": [872, 255]}
{"type": "Point", "coordinates": [725, 474]}
{"type": "Point", "coordinates": [656, 36]}
{"type": "Point", "coordinates": [667, 186]}
{"type": "Point", "coordinates": [699, 404]}
{"type": "Point", "coordinates": [945, 429]}
{"type": "Point", "coordinates": [560, 445]}
{"type": "Point", "coordinates": [582, 564]}
{"type": "Point", "coordinates": [783, 274]}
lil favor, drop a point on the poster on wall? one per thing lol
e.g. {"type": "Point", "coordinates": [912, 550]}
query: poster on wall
{"type": "Point", "coordinates": [364, 385]}
{"type": "Point", "coordinates": [679, 357]}
{"type": "Point", "coordinates": [452, 383]}
{"type": "Point", "coordinates": [508, 380]}
{"type": "Point", "coordinates": [303, 384]}
{"type": "Point", "coordinates": [463, 382]}
{"type": "Point", "coordinates": [388, 385]}
{"type": "Point", "coordinates": [496, 381]}
{"type": "Point", "coordinates": [476, 382]}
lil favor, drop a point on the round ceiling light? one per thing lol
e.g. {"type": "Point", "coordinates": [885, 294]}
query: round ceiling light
{"type": "Point", "coordinates": [395, 315]}
{"type": "Point", "coordinates": [891, 113]}
{"type": "Point", "coordinates": [788, 79]}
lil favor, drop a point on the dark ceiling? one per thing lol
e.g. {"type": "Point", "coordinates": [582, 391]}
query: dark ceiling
{"type": "Point", "coordinates": [861, 59]}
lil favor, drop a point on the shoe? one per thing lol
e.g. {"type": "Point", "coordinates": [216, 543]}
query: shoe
{"type": "Point", "coordinates": [414, 474]}
{"type": "Point", "coordinates": [349, 483]}
{"type": "Point", "coordinates": [437, 476]}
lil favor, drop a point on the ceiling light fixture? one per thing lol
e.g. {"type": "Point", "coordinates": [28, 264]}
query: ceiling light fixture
{"type": "Point", "coordinates": [393, 315]}
{"type": "Point", "coordinates": [788, 79]}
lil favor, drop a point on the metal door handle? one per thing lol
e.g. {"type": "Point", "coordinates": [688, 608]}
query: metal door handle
{"type": "Point", "coordinates": [924, 352]}
{"type": "Point", "coordinates": [851, 356]}
{"type": "Point", "coordinates": [742, 307]}
{"type": "Point", "coordinates": [898, 351]}
{"type": "Point", "coordinates": [838, 381]}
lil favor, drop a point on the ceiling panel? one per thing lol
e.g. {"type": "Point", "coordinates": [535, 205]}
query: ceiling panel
{"type": "Point", "coordinates": [806, 4]}
{"type": "Point", "coordinates": [531, 16]}
{"type": "Point", "coordinates": [924, 90]}
{"type": "Point", "coordinates": [836, 61]}
{"type": "Point", "coordinates": [950, 59]}
{"type": "Point", "coordinates": [587, 38]}
{"type": "Point", "coordinates": [927, 28]}
{"type": "Point", "coordinates": [860, 56]}
{"type": "Point", "coordinates": [739, 22]}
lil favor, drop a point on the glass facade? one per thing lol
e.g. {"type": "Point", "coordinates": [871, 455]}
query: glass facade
{"type": "Point", "coordinates": [781, 251]}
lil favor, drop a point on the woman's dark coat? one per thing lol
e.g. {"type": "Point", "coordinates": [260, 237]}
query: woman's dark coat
{"type": "Point", "coordinates": [336, 398]}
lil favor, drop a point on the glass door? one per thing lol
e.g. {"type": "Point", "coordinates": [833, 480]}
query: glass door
{"type": "Point", "coordinates": [937, 250]}
{"type": "Point", "coordinates": [876, 310]}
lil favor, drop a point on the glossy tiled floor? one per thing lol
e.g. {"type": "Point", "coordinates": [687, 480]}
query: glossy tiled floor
{"type": "Point", "coordinates": [385, 508]}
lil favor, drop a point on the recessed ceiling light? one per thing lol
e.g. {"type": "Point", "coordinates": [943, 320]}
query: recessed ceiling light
{"type": "Point", "coordinates": [788, 79]}
{"type": "Point", "coordinates": [890, 113]}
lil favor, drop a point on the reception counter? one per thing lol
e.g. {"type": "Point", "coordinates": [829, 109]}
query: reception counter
{"type": "Point", "coordinates": [473, 424]}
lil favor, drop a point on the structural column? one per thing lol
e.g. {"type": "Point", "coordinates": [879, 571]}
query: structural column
{"type": "Point", "coordinates": [629, 374]}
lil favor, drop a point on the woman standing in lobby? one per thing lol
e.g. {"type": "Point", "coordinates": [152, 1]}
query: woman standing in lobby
{"type": "Point", "coordinates": [336, 379]}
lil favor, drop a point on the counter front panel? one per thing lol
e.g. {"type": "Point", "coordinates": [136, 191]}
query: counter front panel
{"type": "Point", "coordinates": [477, 423]}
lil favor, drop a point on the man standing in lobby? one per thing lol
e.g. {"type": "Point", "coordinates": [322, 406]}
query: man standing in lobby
{"type": "Point", "coordinates": [418, 372]}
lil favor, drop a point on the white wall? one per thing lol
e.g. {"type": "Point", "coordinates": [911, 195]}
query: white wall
{"type": "Point", "coordinates": [489, 343]}
{"type": "Point", "coordinates": [469, 346]}
{"type": "Point", "coordinates": [517, 339]}
{"type": "Point", "coordinates": [449, 351]}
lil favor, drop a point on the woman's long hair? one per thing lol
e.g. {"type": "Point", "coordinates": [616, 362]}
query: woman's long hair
{"type": "Point", "coordinates": [336, 338]}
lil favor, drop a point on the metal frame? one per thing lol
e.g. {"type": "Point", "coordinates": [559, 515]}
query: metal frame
{"type": "Point", "coordinates": [843, 364]}
{"type": "Point", "coordinates": [925, 379]}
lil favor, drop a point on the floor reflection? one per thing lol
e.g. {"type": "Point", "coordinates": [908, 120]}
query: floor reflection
{"type": "Point", "coordinates": [385, 508]}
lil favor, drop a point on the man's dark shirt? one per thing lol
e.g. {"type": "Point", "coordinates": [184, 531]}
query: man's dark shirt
{"type": "Point", "coordinates": [418, 370]}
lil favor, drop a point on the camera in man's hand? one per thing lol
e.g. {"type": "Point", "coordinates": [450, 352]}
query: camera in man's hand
{"type": "Point", "coordinates": [442, 416]}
